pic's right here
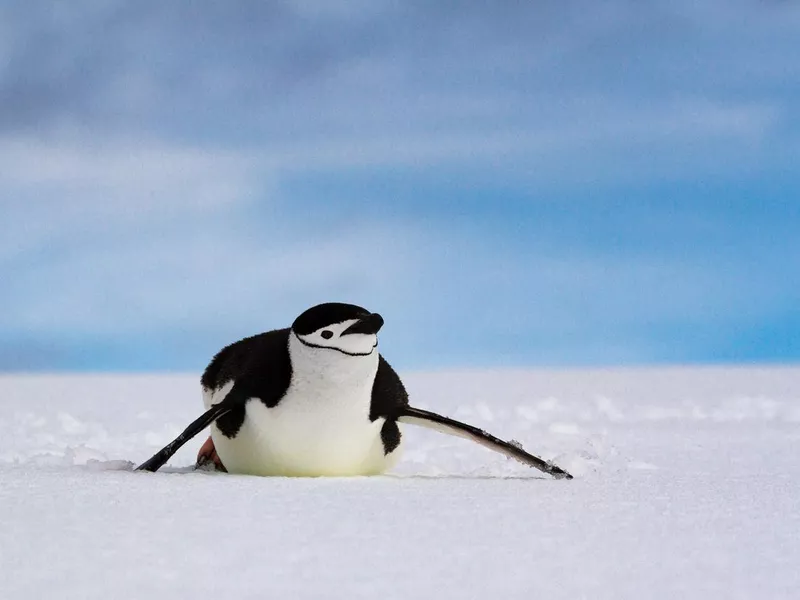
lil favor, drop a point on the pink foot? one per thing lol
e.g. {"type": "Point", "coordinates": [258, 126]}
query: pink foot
{"type": "Point", "coordinates": [208, 454]}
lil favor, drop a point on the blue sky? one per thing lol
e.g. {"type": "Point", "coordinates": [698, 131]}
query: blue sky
{"type": "Point", "coordinates": [508, 183]}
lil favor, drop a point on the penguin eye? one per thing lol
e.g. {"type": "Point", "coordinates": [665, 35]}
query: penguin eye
{"type": "Point", "coordinates": [327, 334]}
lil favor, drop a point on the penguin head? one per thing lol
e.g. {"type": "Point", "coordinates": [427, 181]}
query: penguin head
{"type": "Point", "coordinates": [346, 329]}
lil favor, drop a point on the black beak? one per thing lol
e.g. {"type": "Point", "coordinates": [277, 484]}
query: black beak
{"type": "Point", "coordinates": [369, 325]}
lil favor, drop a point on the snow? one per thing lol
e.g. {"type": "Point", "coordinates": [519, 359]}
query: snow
{"type": "Point", "coordinates": [686, 487]}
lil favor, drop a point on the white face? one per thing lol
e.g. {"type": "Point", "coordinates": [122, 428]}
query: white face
{"type": "Point", "coordinates": [330, 337]}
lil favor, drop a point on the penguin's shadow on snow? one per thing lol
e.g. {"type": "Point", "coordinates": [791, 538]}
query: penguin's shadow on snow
{"type": "Point", "coordinates": [467, 477]}
{"type": "Point", "coordinates": [395, 476]}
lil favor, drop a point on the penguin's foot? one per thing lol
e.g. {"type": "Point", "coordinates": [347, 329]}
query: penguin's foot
{"type": "Point", "coordinates": [208, 455]}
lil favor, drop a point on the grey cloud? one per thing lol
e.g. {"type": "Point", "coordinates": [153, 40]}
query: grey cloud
{"type": "Point", "coordinates": [76, 65]}
{"type": "Point", "coordinates": [274, 71]}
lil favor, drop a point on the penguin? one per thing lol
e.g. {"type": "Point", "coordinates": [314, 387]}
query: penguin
{"type": "Point", "coordinates": [315, 399]}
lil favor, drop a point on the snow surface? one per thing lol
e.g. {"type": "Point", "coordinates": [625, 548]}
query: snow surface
{"type": "Point", "coordinates": [686, 487]}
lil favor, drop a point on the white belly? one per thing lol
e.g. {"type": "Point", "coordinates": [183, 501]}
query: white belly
{"type": "Point", "coordinates": [307, 434]}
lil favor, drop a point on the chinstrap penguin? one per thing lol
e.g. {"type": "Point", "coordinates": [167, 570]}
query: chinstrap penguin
{"type": "Point", "coordinates": [314, 399]}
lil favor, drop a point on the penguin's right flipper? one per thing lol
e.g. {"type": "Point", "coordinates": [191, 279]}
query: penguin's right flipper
{"type": "Point", "coordinates": [159, 459]}
{"type": "Point", "coordinates": [431, 420]}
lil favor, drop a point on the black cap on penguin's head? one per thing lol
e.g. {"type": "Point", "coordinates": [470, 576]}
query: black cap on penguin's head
{"type": "Point", "coordinates": [347, 328]}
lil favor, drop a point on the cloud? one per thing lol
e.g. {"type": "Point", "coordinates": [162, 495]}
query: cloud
{"type": "Point", "coordinates": [451, 295]}
{"type": "Point", "coordinates": [132, 238]}
{"type": "Point", "coordinates": [179, 176]}
{"type": "Point", "coordinates": [309, 86]}
{"type": "Point", "coordinates": [86, 191]}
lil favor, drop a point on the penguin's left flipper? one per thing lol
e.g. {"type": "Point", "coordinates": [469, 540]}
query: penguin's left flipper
{"type": "Point", "coordinates": [431, 420]}
{"type": "Point", "coordinates": [159, 459]}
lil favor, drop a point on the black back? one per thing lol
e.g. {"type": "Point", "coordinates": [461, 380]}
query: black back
{"type": "Point", "coordinates": [388, 393]}
{"type": "Point", "coordinates": [261, 368]}
{"type": "Point", "coordinates": [389, 397]}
